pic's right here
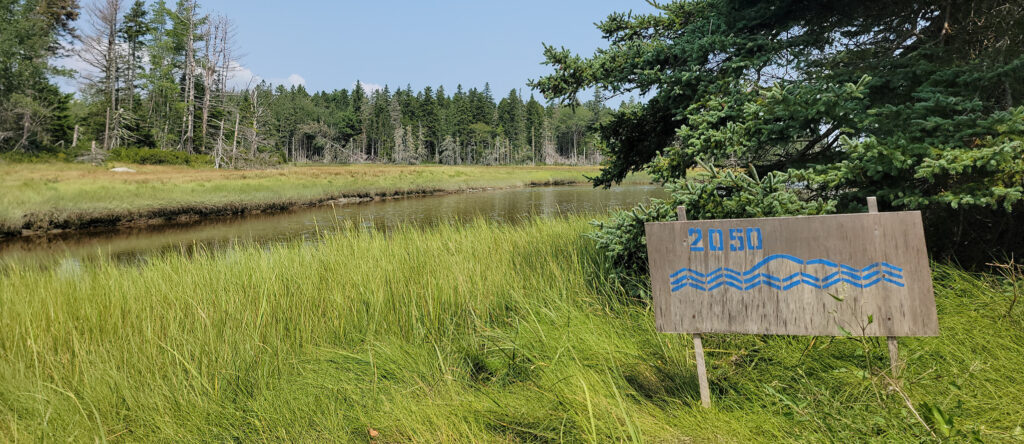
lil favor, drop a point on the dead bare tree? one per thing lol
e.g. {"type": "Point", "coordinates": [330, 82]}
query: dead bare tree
{"type": "Point", "coordinates": [227, 65]}
{"type": "Point", "coordinates": [208, 68]}
{"type": "Point", "coordinates": [226, 53]}
{"type": "Point", "coordinates": [100, 51]}
{"type": "Point", "coordinates": [191, 18]}
{"type": "Point", "coordinates": [215, 65]}
{"type": "Point", "coordinates": [258, 110]}
{"type": "Point", "coordinates": [34, 118]}
{"type": "Point", "coordinates": [224, 64]}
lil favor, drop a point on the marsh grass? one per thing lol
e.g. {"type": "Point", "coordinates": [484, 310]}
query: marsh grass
{"type": "Point", "coordinates": [482, 332]}
{"type": "Point", "coordinates": [68, 196]}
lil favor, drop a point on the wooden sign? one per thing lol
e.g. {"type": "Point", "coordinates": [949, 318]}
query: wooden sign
{"type": "Point", "coordinates": [851, 274]}
{"type": "Point", "coordinates": [857, 274]}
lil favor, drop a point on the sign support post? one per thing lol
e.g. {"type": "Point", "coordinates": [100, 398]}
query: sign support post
{"type": "Point", "coordinates": [698, 348]}
{"type": "Point", "coordinates": [894, 354]}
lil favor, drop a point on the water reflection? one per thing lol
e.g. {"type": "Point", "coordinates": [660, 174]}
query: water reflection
{"type": "Point", "coordinates": [509, 205]}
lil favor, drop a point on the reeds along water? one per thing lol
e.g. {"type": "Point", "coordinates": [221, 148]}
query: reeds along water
{"type": "Point", "coordinates": [480, 332]}
{"type": "Point", "coordinates": [47, 196]}
{"type": "Point", "coordinates": [509, 205]}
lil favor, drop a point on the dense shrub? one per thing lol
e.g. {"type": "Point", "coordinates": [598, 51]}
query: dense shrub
{"type": "Point", "coordinates": [708, 194]}
{"type": "Point", "coordinates": [152, 156]}
{"type": "Point", "coordinates": [40, 156]}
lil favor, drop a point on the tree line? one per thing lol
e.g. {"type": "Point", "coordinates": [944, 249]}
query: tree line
{"type": "Point", "coordinates": [159, 76]}
{"type": "Point", "coordinates": [431, 125]}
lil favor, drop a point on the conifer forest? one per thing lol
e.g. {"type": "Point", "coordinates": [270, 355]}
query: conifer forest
{"type": "Point", "coordinates": [165, 77]}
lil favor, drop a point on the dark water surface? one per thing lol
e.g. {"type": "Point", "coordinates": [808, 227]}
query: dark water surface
{"type": "Point", "coordinates": [507, 205]}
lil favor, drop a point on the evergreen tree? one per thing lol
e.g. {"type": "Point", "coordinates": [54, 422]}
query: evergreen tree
{"type": "Point", "coordinates": [534, 117]}
{"type": "Point", "coordinates": [915, 102]}
{"type": "Point", "coordinates": [395, 124]}
{"type": "Point", "coordinates": [164, 106]}
{"type": "Point", "coordinates": [162, 82]}
{"type": "Point", "coordinates": [512, 118]}
{"type": "Point", "coordinates": [33, 111]}
{"type": "Point", "coordinates": [134, 29]}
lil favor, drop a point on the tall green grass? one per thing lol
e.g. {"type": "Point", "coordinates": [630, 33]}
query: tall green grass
{"type": "Point", "coordinates": [68, 196]}
{"type": "Point", "coordinates": [477, 333]}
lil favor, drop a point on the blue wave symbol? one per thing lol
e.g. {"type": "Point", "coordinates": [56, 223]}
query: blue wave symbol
{"type": "Point", "coordinates": [751, 278]}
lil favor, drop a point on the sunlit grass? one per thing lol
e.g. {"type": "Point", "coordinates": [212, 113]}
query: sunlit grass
{"type": "Point", "coordinates": [42, 196]}
{"type": "Point", "coordinates": [484, 332]}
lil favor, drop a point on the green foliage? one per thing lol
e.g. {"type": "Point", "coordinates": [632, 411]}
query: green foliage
{"type": "Point", "coordinates": [152, 156]}
{"type": "Point", "coordinates": [965, 170]}
{"type": "Point", "coordinates": [39, 157]}
{"type": "Point", "coordinates": [171, 93]}
{"type": "Point", "coordinates": [727, 194]}
{"type": "Point", "coordinates": [33, 111]}
{"type": "Point", "coordinates": [917, 103]}
{"type": "Point", "coordinates": [709, 194]}
{"type": "Point", "coordinates": [621, 238]}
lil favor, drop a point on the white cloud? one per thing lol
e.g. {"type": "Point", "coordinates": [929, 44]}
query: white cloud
{"type": "Point", "coordinates": [295, 80]}
{"type": "Point", "coordinates": [242, 77]}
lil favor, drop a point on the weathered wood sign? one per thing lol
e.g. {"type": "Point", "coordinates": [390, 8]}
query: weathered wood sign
{"type": "Point", "coordinates": [812, 275]}
{"type": "Point", "coordinates": [850, 274]}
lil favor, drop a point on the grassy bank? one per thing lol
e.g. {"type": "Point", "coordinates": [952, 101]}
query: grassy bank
{"type": "Point", "coordinates": [41, 197]}
{"type": "Point", "coordinates": [482, 333]}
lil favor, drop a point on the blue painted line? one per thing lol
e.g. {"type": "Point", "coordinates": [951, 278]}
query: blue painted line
{"type": "Point", "coordinates": [806, 276]}
{"type": "Point", "coordinates": [790, 258]}
{"type": "Point", "coordinates": [749, 279]}
{"type": "Point", "coordinates": [791, 285]}
{"type": "Point", "coordinates": [883, 264]}
{"type": "Point", "coordinates": [773, 258]}
{"type": "Point", "coordinates": [850, 275]}
{"type": "Point", "coordinates": [896, 283]}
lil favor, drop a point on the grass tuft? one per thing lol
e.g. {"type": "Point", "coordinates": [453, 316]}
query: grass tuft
{"type": "Point", "coordinates": [481, 332]}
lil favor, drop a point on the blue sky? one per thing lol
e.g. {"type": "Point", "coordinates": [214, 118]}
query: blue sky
{"type": "Point", "coordinates": [327, 45]}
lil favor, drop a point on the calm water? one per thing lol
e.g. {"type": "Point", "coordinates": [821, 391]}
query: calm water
{"type": "Point", "coordinates": [508, 205]}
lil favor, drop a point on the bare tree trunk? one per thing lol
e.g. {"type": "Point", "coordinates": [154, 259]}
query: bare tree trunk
{"type": "Point", "coordinates": [258, 109]}
{"type": "Point", "coordinates": [252, 147]}
{"type": "Point", "coordinates": [226, 51]}
{"type": "Point", "coordinates": [220, 146]}
{"type": "Point", "coordinates": [129, 82]}
{"type": "Point", "coordinates": [111, 18]}
{"type": "Point", "coordinates": [574, 146]}
{"type": "Point", "coordinates": [106, 130]}
{"type": "Point", "coordinates": [74, 138]}
{"type": "Point", "coordinates": [99, 50]}
{"type": "Point", "coordinates": [26, 125]}
{"type": "Point", "coordinates": [234, 137]}
{"type": "Point", "coordinates": [188, 120]}
{"type": "Point", "coordinates": [209, 33]}
{"type": "Point", "coordinates": [216, 62]}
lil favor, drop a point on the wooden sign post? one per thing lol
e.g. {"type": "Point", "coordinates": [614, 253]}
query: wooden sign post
{"type": "Point", "coordinates": [894, 355]}
{"type": "Point", "coordinates": [848, 274]}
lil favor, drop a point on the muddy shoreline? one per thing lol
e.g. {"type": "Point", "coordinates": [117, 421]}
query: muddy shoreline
{"type": "Point", "coordinates": [42, 225]}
